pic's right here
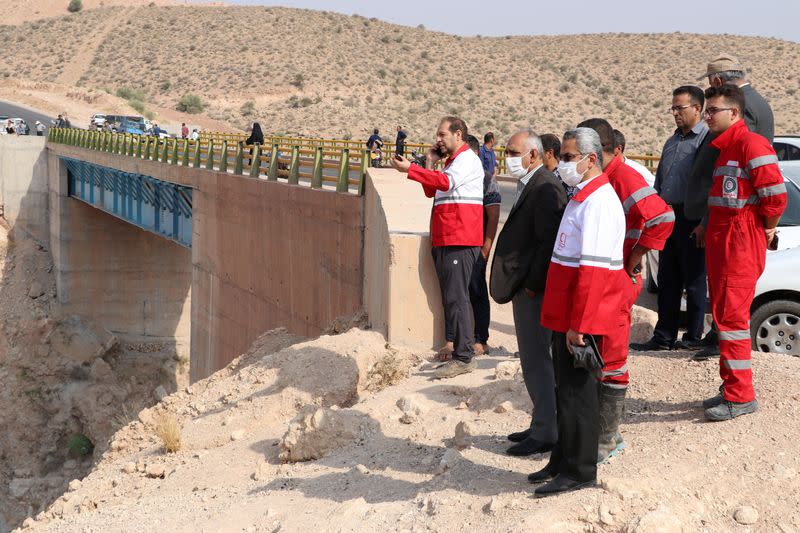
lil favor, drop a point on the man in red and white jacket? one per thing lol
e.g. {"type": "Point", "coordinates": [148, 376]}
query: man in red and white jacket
{"type": "Point", "coordinates": [648, 224]}
{"type": "Point", "coordinates": [456, 230]}
{"type": "Point", "coordinates": [584, 295]}
{"type": "Point", "coordinates": [745, 203]}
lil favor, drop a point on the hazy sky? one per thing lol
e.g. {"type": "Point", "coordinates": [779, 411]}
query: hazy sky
{"type": "Point", "coordinates": [765, 18]}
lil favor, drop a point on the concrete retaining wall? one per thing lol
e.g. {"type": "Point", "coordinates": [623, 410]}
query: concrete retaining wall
{"type": "Point", "coordinates": [23, 184]}
{"type": "Point", "coordinates": [401, 291]}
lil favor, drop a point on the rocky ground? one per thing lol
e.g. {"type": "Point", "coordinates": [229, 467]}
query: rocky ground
{"type": "Point", "coordinates": [67, 384]}
{"type": "Point", "coordinates": [330, 435]}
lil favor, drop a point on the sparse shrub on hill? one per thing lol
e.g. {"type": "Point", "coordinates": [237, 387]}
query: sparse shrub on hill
{"type": "Point", "coordinates": [190, 103]}
{"type": "Point", "coordinates": [75, 6]}
{"type": "Point", "coordinates": [248, 108]}
{"type": "Point", "coordinates": [298, 81]}
{"type": "Point", "coordinates": [131, 94]}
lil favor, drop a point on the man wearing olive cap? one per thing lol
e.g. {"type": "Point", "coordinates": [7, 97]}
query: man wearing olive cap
{"type": "Point", "coordinates": [759, 119]}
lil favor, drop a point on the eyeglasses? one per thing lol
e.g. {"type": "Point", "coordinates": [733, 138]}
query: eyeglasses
{"type": "Point", "coordinates": [678, 108]}
{"type": "Point", "coordinates": [711, 111]}
{"type": "Point", "coordinates": [566, 157]}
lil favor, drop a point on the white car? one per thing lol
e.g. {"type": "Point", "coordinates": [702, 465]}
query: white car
{"type": "Point", "coordinates": [775, 313]}
{"type": "Point", "coordinates": [787, 147]}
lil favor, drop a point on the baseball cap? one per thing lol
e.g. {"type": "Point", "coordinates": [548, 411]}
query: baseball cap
{"type": "Point", "coordinates": [722, 63]}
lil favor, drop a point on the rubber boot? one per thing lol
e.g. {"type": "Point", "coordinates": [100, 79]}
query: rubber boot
{"type": "Point", "coordinates": [612, 406]}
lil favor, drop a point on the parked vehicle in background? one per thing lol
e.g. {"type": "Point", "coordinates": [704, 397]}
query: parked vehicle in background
{"type": "Point", "coordinates": [787, 147]}
{"type": "Point", "coordinates": [129, 126]}
{"type": "Point", "coordinates": [97, 121]}
{"type": "Point", "coordinates": [775, 313]}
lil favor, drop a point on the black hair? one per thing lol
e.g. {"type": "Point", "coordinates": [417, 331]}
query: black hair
{"type": "Point", "coordinates": [551, 142]}
{"type": "Point", "coordinates": [732, 94]}
{"type": "Point", "coordinates": [488, 138]}
{"type": "Point", "coordinates": [619, 140]}
{"type": "Point", "coordinates": [604, 130]}
{"type": "Point", "coordinates": [695, 94]}
{"type": "Point", "coordinates": [474, 143]}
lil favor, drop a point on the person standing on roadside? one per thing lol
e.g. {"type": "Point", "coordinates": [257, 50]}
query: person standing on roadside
{"type": "Point", "coordinates": [456, 230]}
{"type": "Point", "coordinates": [551, 145]}
{"type": "Point", "coordinates": [487, 155]}
{"type": "Point", "coordinates": [649, 222]}
{"type": "Point", "coordinates": [40, 128]}
{"type": "Point", "coordinates": [519, 274]}
{"type": "Point", "coordinates": [184, 130]}
{"type": "Point", "coordinates": [256, 137]}
{"type": "Point", "coordinates": [400, 142]}
{"type": "Point", "coordinates": [758, 117]}
{"type": "Point", "coordinates": [682, 264]}
{"type": "Point", "coordinates": [581, 303]}
{"type": "Point", "coordinates": [745, 203]}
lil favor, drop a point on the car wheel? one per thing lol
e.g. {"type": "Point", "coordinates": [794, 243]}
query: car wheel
{"type": "Point", "coordinates": [775, 327]}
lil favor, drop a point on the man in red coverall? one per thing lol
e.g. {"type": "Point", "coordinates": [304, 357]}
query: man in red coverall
{"type": "Point", "coordinates": [648, 224]}
{"type": "Point", "coordinates": [747, 198]}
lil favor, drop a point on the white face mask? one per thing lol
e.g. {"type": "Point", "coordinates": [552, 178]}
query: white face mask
{"type": "Point", "coordinates": [515, 168]}
{"type": "Point", "coordinates": [568, 172]}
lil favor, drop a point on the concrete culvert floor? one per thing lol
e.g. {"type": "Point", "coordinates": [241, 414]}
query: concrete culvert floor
{"type": "Point", "coordinates": [394, 461]}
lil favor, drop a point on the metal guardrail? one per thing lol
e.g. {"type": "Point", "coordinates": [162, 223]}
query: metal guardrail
{"type": "Point", "coordinates": [650, 161]}
{"type": "Point", "coordinates": [328, 169]}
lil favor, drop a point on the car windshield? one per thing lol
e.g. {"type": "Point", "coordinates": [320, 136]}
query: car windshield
{"type": "Point", "coordinates": [791, 215]}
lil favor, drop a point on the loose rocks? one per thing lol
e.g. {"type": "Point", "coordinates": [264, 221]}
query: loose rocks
{"type": "Point", "coordinates": [746, 515]}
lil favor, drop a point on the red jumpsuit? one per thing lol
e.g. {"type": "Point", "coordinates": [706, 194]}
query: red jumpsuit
{"type": "Point", "coordinates": [747, 187]}
{"type": "Point", "coordinates": [648, 221]}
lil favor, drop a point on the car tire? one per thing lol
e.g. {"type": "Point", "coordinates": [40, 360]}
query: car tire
{"type": "Point", "coordinates": [775, 327]}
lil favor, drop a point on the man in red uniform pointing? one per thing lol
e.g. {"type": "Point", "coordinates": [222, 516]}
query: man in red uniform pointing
{"type": "Point", "coordinates": [747, 198]}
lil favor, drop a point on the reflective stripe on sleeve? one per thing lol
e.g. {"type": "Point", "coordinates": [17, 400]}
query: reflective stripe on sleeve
{"type": "Point", "coordinates": [618, 372]}
{"type": "Point", "coordinates": [644, 192]}
{"type": "Point", "coordinates": [455, 199]}
{"type": "Point", "coordinates": [736, 364]}
{"type": "Point", "coordinates": [772, 190]}
{"type": "Point", "coordinates": [738, 335]}
{"type": "Point", "coordinates": [664, 217]}
{"type": "Point", "coordinates": [731, 171]}
{"type": "Point", "coordinates": [633, 234]}
{"type": "Point", "coordinates": [761, 161]}
{"type": "Point", "coordinates": [738, 203]}
{"type": "Point", "coordinates": [592, 258]}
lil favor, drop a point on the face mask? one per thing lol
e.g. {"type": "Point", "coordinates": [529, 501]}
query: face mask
{"type": "Point", "coordinates": [569, 172]}
{"type": "Point", "coordinates": [515, 168]}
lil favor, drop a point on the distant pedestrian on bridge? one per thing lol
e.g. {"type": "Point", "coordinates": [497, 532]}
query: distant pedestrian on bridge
{"type": "Point", "coordinates": [400, 141]}
{"type": "Point", "coordinates": [375, 146]}
{"type": "Point", "coordinates": [39, 129]}
{"type": "Point", "coordinates": [256, 137]}
{"type": "Point", "coordinates": [456, 230]}
{"type": "Point", "coordinates": [184, 130]}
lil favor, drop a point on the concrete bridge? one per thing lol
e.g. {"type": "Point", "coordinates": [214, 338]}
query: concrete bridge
{"type": "Point", "coordinates": [174, 242]}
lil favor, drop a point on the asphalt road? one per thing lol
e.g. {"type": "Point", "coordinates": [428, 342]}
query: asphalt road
{"type": "Point", "coordinates": [14, 111]}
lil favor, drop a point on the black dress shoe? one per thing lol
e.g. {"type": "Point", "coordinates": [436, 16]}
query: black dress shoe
{"type": "Point", "coordinates": [650, 346]}
{"type": "Point", "coordinates": [529, 447]}
{"type": "Point", "coordinates": [561, 484]}
{"type": "Point", "coordinates": [709, 352]}
{"type": "Point", "coordinates": [519, 436]}
{"type": "Point", "coordinates": [545, 474]}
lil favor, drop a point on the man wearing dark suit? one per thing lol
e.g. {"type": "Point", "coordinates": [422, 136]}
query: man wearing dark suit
{"type": "Point", "coordinates": [519, 272]}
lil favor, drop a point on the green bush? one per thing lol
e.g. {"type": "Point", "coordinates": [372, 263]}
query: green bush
{"type": "Point", "coordinates": [129, 93]}
{"type": "Point", "coordinates": [138, 105]}
{"type": "Point", "coordinates": [165, 85]}
{"type": "Point", "coordinates": [80, 445]}
{"type": "Point", "coordinates": [248, 108]}
{"type": "Point", "coordinates": [75, 6]}
{"type": "Point", "coordinates": [190, 103]}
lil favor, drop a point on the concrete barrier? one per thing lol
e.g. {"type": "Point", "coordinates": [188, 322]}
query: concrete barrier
{"type": "Point", "coordinates": [23, 184]}
{"type": "Point", "coordinates": [401, 290]}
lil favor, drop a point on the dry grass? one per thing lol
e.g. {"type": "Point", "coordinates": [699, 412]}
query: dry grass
{"type": "Point", "coordinates": [388, 370]}
{"type": "Point", "coordinates": [168, 430]}
{"type": "Point", "coordinates": [320, 73]}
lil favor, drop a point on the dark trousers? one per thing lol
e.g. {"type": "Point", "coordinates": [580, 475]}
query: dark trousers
{"type": "Point", "coordinates": [454, 265]}
{"type": "Point", "coordinates": [682, 265]}
{"type": "Point", "coordinates": [578, 413]}
{"type": "Point", "coordinates": [479, 298]}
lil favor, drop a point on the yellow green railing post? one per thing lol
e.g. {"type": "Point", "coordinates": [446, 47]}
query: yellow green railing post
{"type": "Point", "coordinates": [255, 161]}
{"type": "Point", "coordinates": [223, 157]}
{"type": "Point", "coordinates": [196, 160]}
{"type": "Point", "coordinates": [316, 176]}
{"type": "Point", "coordinates": [165, 152]}
{"type": "Point", "coordinates": [210, 155]}
{"type": "Point", "coordinates": [115, 144]}
{"type": "Point", "coordinates": [185, 157]}
{"type": "Point", "coordinates": [238, 166]}
{"type": "Point", "coordinates": [344, 172]}
{"type": "Point", "coordinates": [174, 160]}
{"type": "Point", "coordinates": [364, 162]}
{"type": "Point", "coordinates": [294, 166]}
{"type": "Point", "coordinates": [147, 148]}
{"type": "Point", "coordinates": [138, 152]}
{"type": "Point", "coordinates": [272, 175]}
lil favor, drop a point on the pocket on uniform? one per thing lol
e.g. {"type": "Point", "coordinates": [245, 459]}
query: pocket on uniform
{"type": "Point", "coordinates": [737, 298]}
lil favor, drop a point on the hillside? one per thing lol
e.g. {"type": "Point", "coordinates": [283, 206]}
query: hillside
{"type": "Point", "coordinates": [320, 73]}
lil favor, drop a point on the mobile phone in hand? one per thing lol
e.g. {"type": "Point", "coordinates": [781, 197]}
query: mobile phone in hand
{"type": "Point", "coordinates": [774, 244]}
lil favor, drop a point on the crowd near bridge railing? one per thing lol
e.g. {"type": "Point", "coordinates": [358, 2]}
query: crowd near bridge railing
{"type": "Point", "coordinates": [332, 146]}
{"type": "Point", "coordinates": [341, 169]}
